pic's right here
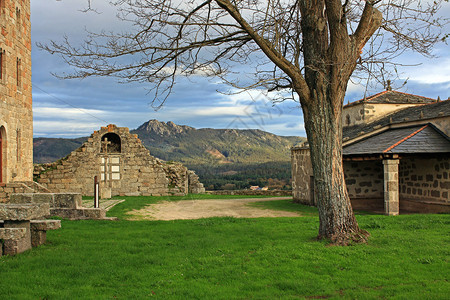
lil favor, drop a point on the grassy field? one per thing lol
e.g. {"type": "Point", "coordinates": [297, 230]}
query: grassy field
{"type": "Point", "coordinates": [407, 257]}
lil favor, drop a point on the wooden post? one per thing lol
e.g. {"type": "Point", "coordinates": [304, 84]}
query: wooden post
{"type": "Point", "coordinates": [96, 193]}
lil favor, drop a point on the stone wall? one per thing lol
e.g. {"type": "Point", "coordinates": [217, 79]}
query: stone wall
{"type": "Point", "coordinates": [367, 112]}
{"type": "Point", "coordinates": [301, 176]}
{"type": "Point", "coordinates": [425, 179]}
{"type": "Point", "coordinates": [364, 179]}
{"type": "Point", "coordinates": [127, 169]}
{"type": "Point", "coordinates": [16, 120]}
{"type": "Point", "coordinates": [443, 124]}
{"type": "Point", "coordinates": [6, 189]}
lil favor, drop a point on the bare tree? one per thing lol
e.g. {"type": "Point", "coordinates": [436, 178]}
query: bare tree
{"type": "Point", "coordinates": [308, 47]}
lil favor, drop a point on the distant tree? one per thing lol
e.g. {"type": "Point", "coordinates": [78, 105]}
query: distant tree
{"type": "Point", "coordinates": [309, 48]}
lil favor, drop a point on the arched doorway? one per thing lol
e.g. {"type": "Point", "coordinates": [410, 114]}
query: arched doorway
{"type": "Point", "coordinates": [111, 143]}
{"type": "Point", "coordinates": [2, 154]}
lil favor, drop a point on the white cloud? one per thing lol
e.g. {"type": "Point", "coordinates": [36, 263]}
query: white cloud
{"type": "Point", "coordinates": [67, 113]}
{"type": "Point", "coordinates": [431, 72]}
{"type": "Point", "coordinates": [64, 128]}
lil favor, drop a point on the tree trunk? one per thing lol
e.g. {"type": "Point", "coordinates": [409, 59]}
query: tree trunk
{"type": "Point", "coordinates": [330, 56]}
{"type": "Point", "coordinates": [323, 126]}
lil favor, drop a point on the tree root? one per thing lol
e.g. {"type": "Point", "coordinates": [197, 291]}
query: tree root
{"type": "Point", "coordinates": [347, 238]}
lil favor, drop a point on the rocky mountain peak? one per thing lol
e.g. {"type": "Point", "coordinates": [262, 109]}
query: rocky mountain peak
{"type": "Point", "coordinates": [163, 128]}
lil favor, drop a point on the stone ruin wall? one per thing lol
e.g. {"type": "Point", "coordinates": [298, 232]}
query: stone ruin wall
{"type": "Point", "coordinates": [425, 179]}
{"type": "Point", "coordinates": [137, 172]}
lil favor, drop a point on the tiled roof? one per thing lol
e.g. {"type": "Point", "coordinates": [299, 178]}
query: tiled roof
{"type": "Point", "coordinates": [415, 139]}
{"type": "Point", "coordinates": [410, 114]}
{"type": "Point", "coordinates": [393, 97]}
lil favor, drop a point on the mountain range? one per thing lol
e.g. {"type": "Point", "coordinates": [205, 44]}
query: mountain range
{"type": "Point", "coordinates": [186, 144]}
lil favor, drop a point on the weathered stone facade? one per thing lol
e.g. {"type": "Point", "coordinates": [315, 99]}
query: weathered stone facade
{"type": "Point", "coordinates": [424, 178]}
{"type": "Point", "coordinates": [16, 123]}
{"type": "Point", "coordinates": [364, 179]}
{"type": "Point", "coordinates": [123, 167]}
{"type": "Point", "coordinates": [368, 112]}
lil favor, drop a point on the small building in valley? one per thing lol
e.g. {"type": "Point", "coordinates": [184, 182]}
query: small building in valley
{"type": "Point", "coordinates": [123, 166]}
{"type": "Point", "coordinates": [396, 153]}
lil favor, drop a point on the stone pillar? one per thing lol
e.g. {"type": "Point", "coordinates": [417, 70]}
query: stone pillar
{"type": "Point", "coordinates": [13, 247]}
{"type": "Point", "coordinates": [391, 192]}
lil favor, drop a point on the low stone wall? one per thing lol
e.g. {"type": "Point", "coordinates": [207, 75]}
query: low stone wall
{"type": "Point", "coordinates": [252, 192]}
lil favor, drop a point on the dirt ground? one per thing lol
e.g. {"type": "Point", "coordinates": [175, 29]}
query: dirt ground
{"type": "Point", "coordinates": [197, 209]}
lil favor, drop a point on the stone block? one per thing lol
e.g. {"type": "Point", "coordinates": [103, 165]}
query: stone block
{"type": "Point", "coordinates": [19, 245]}
{"type": "Point", "coordinates": [94, 213]}
{"type": "Point", "coordinates": [38, 237]}
{"type": "Point", "coordinates": [21, 198]}
{"type": "Point", "coordinates": [21, 212]}
{"type": "Point", "coordinates": [67, 213]}
{"type": "Point", "coordinates": [391, 186]}
{"type": "Point", "coordinates": [12, 233]}
{"type": "Point", "coordinates": [43, 198]}
{"type": "Point", "coordinates": [45, 224]}
{"type": "Point", "coordinates": [67, 200]}
{"type": "Point", "coordinates": [39, 230]}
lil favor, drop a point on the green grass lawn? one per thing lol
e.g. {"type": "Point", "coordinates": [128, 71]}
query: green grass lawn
{"type": "Point", "coordinates": [407, 257]}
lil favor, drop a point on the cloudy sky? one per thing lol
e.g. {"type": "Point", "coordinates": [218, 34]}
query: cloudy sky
{"type": "Point", "coordinates": [73, 108]}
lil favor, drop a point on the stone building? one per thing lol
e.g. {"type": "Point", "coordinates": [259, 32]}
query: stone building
{"type": "Point", "coordinates": [16, 118]}
{"type": "Point", "coordinates": [123, 166]}
{"type": "Point", "coordinates": [396, 155]}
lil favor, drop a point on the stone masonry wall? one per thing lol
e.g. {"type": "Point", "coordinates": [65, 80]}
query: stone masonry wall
{"type": "Point", "coordinates": [425, 179]}
{"type": "Point", "coordinates": [368, 112]}
{"type": "Point", "coordinates": [16, 120]}
{"type": "Point", "coordinates": [364, 179]}
{"type": "Point", "coordinates": [130, 172]}
{"type": "Point", "coordinates": [301, 176]}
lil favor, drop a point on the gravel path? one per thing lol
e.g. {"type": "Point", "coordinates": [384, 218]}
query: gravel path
{"type": "Point", "coordinates": [197, 209]}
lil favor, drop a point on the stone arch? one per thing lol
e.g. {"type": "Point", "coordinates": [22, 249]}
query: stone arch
{"type": "Point", "coordinates": [3, 154]}
{"type": "Point", "coordinates": [111, 143]}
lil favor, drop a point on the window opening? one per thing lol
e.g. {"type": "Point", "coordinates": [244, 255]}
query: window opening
{"type": "Point", "coordinates": [111, 143]}
{"type": "Point", "coordinates": [19, 72]}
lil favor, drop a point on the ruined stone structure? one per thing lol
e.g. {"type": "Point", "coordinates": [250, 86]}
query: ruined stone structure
{"type": "Point", "coordinates": [396, 155]}
{"type": "Point", "coordinates": [16, 120]}
{"type": "Point", "coordinates": [123, 167]}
